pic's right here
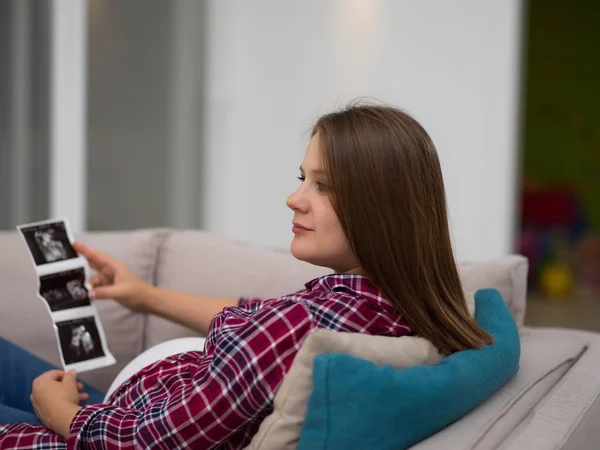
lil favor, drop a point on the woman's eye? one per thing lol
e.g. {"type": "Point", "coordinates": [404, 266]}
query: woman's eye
{"type": "Point", "coordinates": [320, 186]}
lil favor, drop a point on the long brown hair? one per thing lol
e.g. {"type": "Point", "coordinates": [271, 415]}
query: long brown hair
{"type": "Point", "coordinates": [387, 189]}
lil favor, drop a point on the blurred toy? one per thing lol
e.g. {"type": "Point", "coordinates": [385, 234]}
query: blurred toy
{"type": "Point", "coordinates": [553, 222]}
{"type": "Point", "coordinates": [549, 206]}
{"type": "Point", "coordinates": [556, 280]}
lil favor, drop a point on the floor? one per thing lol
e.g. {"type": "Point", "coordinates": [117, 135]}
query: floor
{"type": "Point", "coordinates": [578, 311]}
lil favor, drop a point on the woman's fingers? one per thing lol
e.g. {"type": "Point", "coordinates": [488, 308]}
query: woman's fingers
{"type": "Point", "coordinates": [99, 280]}
{"type": "Point", "coordinates": [99, 261]}
{"type": "Point", "coordinates": [88, 253]}
{"type": "Point", "coordinates": [96, 280]}
{"type": "Point", "coordinates": [56, 375]}
{"type": "Point", "coordinates": [83, 396]}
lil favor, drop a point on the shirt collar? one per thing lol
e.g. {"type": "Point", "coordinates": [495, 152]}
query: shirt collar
{"type": "Point", "coordinates": [350, 283]}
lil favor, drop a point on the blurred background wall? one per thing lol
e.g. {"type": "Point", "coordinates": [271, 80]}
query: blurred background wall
{"type": "Point", "coordinates": [196, 114]}
{"type": "Point", "coordinates": [273, 67]}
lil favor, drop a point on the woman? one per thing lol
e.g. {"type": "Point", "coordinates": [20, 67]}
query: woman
{"type": "Point", "coordinates": [371, 206]}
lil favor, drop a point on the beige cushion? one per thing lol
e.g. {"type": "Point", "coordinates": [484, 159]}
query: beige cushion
{"type": "Point", "coordinates": [281, 429]}
{"type": "Point", "coordinates": [26, 321]}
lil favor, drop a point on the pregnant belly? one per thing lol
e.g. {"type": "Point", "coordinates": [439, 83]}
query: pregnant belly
{"type": "Point", "coordinates": [154, 354]}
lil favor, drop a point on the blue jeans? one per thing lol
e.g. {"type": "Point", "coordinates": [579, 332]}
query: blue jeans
{"type": "Point", "coordinates": [18, 369]}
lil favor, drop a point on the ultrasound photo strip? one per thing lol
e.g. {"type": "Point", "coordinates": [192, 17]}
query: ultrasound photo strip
{"type": "Point", "coordinates": [62, 286]}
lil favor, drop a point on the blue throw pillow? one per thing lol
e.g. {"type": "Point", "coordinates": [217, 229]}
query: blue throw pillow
{"type": "Point", "coordinates": [356, 404]}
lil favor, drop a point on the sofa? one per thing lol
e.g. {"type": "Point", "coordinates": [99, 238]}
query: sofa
{"type": "Point", "coordinates": [552, 403]}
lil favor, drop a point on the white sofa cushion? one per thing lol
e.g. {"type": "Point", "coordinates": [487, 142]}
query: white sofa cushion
{"type": "Point", "coordinates": [507, 274]}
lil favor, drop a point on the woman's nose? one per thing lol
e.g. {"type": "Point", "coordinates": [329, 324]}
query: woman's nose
{"type": "Point", "coordinates": [296, 201]}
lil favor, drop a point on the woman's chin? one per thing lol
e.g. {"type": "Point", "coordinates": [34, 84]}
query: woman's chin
{"type": "Point", "coordinates": [299, 251]}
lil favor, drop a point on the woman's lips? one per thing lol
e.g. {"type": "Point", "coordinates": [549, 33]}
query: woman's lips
{"type": "Point", "coordinates": [297, 228]}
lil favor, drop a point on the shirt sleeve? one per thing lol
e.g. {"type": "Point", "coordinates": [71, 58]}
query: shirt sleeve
{"type": "Point", "coordinates": [243, 364]}
{"type": "Point", "coordinates": [24, 436]}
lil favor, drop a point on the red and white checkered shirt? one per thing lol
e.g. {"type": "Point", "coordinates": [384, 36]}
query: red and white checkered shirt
{"type": "Point", "coordinates": [218, 398]}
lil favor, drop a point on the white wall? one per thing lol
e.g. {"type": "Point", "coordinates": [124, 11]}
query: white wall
{"type": "Point", "coordinates": [274, 66]}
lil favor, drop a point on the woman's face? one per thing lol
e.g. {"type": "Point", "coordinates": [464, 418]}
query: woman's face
{"type": "Point", "coordinates": [318, 235]}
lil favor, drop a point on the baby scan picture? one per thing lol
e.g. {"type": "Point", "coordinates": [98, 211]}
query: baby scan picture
{"type": "Point", "coordinates": [79, 340]}
{"type": "Point", "coordinates": [48, 242]}
{"type": "Point", "coordinates": [64, 290]}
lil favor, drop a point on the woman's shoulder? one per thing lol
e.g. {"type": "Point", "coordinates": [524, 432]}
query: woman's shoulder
{"type": "Point", "coordinates": [318, 289]}
{"type": "Point", "coordinates": [322, 295]}
{"type": "Point", "coordinates": [257, 309]}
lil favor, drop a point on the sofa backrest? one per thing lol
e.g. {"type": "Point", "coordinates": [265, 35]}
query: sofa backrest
{"type": "Point", "coordinates": [507, 274]}
{"type": "Point", "coordinates": [190, 261]}
{"type": "Point", "coordinates": [207, 264]}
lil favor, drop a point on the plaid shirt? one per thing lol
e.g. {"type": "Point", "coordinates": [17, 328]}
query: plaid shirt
{"type": "Point", "coordinates": [218, 398]}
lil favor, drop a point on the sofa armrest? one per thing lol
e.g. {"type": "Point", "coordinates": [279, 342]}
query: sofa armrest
{"type": "Point", "coordinates": [568, 417]}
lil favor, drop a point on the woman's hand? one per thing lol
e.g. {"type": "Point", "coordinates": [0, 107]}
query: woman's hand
{"type": "Point", "coordinates": [55, 397]}
{"type": "Point", "coordinates": [115, 280]}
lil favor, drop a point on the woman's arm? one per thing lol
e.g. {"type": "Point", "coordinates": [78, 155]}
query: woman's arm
{"type": "Point", "coordinates": [114, 280]}
{"type": "Point", "coordinates": [192, 311]}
